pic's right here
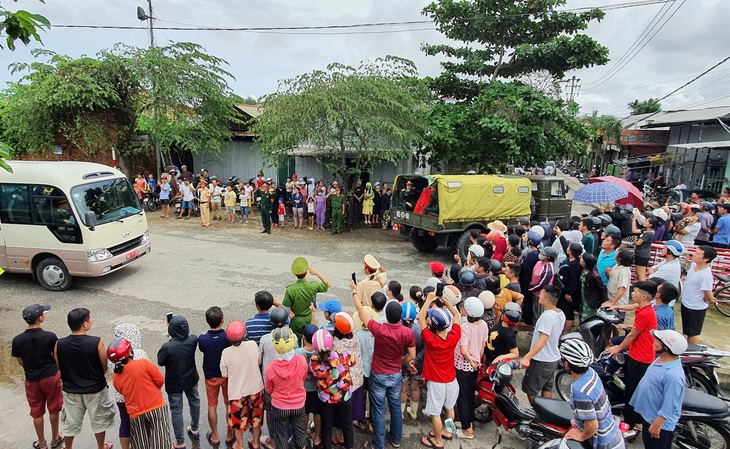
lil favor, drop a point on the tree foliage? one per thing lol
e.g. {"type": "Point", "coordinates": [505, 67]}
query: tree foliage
{"type": "Point", "coordinates": [349, 117]}
{"type": "Point", "coordinates": [645, 107]}
{"type": "Point", "coordinates": [604, 128]}
{"type": "Point", "coordinates": [177, 94]}
{"type": "Point", "coordinates": [508, 123]}
{"type": "Point", "coordinates": [509, 38]}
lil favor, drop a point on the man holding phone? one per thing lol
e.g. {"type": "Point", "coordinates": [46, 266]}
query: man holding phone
{"type": "Point", "coordinates": [374, 280]}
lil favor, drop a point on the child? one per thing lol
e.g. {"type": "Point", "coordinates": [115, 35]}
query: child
{"type": "Point", "coordinates": [260, 324]}
{"type": "Point", "coordinates": [212, 344]}
{"type": "Point", "coordinates": [34, 351]}
{"type": "Point", "coordinates": [229, 199]}
{"type": "Point", "coordinates": [282, 212]}
{"type": "Point", "coordinates": [619, 281]}
{"type": "Point", "coordinates": [248, 188]}
{"type": "Point", "coordinates": [331, 368]}
{"type": "Point", "coordinates": [416, 295]}
{"type": "Point", "coordinates": [347, 341]}
{"type": "Point", "coordinates": [411, 381]}
{"type": "Point", "coordinates": [140, 383]}
{"type": "Point", "coordinates": [467, 359]}
{"type": "Point", "coordinates": [181, 376]}
{"type": "Point", "coordinates": [378, 300]}
{"type": "Point", "coordinates": [245, 198]}
{"type": "Point", "coordinates": [330, 308]}
{"type": "Point", "coordinates": [284, 381]}
{"type": "Point", "coordinates": [240, 364]}
{"type": "Point", "coordinates": [151, 183]}
{"type": "Point", "coordinates": [438, 366]}
{"type": "Point", "coordinates": [129, 332]}
{"type": "Point", "coordinates": [311, 205]}
{"type": "Point", "coordinates": [312, 404]}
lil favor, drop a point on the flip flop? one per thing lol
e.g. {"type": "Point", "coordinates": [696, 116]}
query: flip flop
{"type": "Point", "coordinates": [209, 434]}
{"type": "Point", "coordinates": [193, 435]}
{"type": "Point", "coordinates": [39, 446]}
{"type": "Point", "coordinates": [428, 442]}
{"type": "Point", "coordinates": [462, 436]}
{"type": "Point", "coordinates": [447, 438]}
{"type": "Point", "coordinates": [57, 442]}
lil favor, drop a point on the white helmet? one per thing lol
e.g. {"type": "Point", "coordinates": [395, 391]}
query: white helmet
{"type": "Point", "coordinates": [487, 298]}
{"type": "Point", "coordinates": [473, 307]}
{"type": "Point", "coordinates": [477, 250]}
{"type": "Point", "coordinates": [576, 352]}
{"type": "Point", "coordinates": [539, 230]}
{"type": "Point", "coordinates": [673, 340]}
{"type": "Point", "coordinates": [432, 282]}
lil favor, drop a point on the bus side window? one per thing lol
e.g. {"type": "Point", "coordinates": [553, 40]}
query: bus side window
{"type": "Point", "coordinates": [52, 206]}
{"type": "Point", "coordinates": [14, 204]}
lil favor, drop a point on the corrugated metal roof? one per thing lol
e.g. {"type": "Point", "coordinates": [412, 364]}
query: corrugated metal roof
{"type": "Point", "coordinates": [688, 116]}
{"type": "Point", "coordinates": [251, 110]}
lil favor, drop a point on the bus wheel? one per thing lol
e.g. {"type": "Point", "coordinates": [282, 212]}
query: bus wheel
{"type": "Point", "coordinates": [53, 275]}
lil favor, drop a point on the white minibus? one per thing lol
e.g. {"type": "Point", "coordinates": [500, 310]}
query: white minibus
{"type": "Point", "coordinates": [64, 219]}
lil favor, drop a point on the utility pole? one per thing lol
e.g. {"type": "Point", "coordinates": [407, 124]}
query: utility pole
{"type": "Point", "coordinates": [572, 87]}
{"type": "Point", "coordinates": [148, 16]}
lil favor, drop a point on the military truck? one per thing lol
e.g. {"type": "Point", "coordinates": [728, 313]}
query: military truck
{"type": "Point", "coordinates": [440, 210]}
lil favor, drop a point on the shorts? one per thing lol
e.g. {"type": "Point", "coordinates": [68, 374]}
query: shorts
{"type": "Point", "coordinates": [244, 210]}
{"type": "Point", "coordinates": [164, 202]}
{"type": "Point", "coordinates": [298, 212]}
{"type": "Point", "coordinates": [246, 412]}
{"type": "Point", "coordinates": [313, 403]}
{"type": "Point", "coordinates": [407, 376]}
{"type": "Point", "coordinates": [641, 261]}
{"type": "Point", "coordinates": [99, 405]}
{"type": "Point", "coordinates": [230, 210]}
{"type": "Point", "coordinates": [568, 308]}
{"type": "Point", "coordinates": [213, 387]}
{"type": "Point", "coordinates": [692, 321]}
{"type": "Point", "coordinates": [45, 392]}
{"type": "Point", "coordinates": [440, 396]}
{"type": "Point", "coordinates": [186, 205]}
{"type": "Point", "coordinates": [215, 205]}
{"type": "Point", "coordinates": [539, 377]}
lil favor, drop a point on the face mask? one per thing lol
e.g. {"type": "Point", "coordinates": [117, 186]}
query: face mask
{"type": "Point", "coordinates": [541, 257]}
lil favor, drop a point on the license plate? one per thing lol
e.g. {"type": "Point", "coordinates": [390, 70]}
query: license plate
{"type": "Point", "coordinates": [133, 254]}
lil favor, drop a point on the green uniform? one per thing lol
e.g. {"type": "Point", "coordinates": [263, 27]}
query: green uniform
{"type": "Point", "coordinates": [407, 196]}
{"type": "Point", "coordinates": [267, 202]}
{"type": "Point", "coordinates": [337, 202]}
{"type": "Point", "coordinates": [298, 298]}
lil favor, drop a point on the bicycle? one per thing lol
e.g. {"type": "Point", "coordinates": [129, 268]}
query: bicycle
{"type": "Point", "coordinates": [721, 293]}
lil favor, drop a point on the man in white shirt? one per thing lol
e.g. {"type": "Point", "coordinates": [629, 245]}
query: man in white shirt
{"type": "Point", "coordinates": [697, 293]}
{"type": "Point", "coordinates": [215, 199]}
{"type": "Point", "coordinates": [669, 269]}
{"type": "Point", "coordinates": [186, 189]}
{"type": "Point", "coordinates": [680, 185]}
{"type": "Point", "coordinates": [687, 234]}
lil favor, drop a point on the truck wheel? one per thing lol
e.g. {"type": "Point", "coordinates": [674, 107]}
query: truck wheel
{"type": "Point", "coordinates": [462, 245]}
{"type": "Point", "coordinates": [424, 243]}
{"type": "Point", "coordinates": [53, 275]}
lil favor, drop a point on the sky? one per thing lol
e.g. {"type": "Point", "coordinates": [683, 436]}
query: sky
{"type": "Point", "coordinates": [692, 41]}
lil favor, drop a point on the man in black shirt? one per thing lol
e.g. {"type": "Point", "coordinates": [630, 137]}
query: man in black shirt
{"type": "Point", "coordinates": [34, 351]}
{"type": "Point", "coordinates": [82, 361]}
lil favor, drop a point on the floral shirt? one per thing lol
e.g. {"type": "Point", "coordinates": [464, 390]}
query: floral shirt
{"type": "Point", "coordinates": [334, 383]}
{"type": "Point", "coordinates": [352, 346]}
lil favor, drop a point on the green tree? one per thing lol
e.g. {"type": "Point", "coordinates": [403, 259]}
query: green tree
{"type": "Point", "coordinates": [645, 107]}
{"type": "Point", "coordinates": [350, 118]}
{"type": "Point", "coordinates": [509, 38]}
{"type": "Point", "coordinates": [177, 94]}
{"type": "Point", "coordinates": [508, 123]}
{"type": "Point", "coordinates": [603, 128]}
{"type": "Point", "coordinates": [23, 26]}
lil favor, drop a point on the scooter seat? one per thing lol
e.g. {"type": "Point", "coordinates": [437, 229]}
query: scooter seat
{"type": "Point", "coordinates": [554, 411]}
{"type": "Point", "coordinates": [695, 348]}
{"type": "Point", "coordinates": [723, 278]}
{"type": "Point", "coordinates": [698, 402]}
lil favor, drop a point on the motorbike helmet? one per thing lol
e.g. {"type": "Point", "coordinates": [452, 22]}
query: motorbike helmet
{"type": "Point", "coordinates": [539, 230]}
{"type": "Point", "coordinates": [596, 222]}
{"type": "Point", "coordinates": [549, 251]}
{"type": "Point", "coordinates": [119, 350]}
{"type": "Point", "coordinates": [279, 317]}
{"type": "Point", "coordinates": [487, 298]}
{"type": "Point", "coordinates": [576, 352]}
{"type": "Point", "coordinates": [495, 266]}
{"type": "Point", "coordinates": [613, 231]}
{"type": "Point", "coordinates": [454, 272]}
{"type": "Point", "coordinates": [452, 294]}
{"type": "Point", "coordinates": [283, 339]}
{"type": "Point", "coordinates": [235, 331]}
{"type": "Point", "coordinates": [467, 276]}
{"type": "Point", "coordinates": [432, 282]}
{"type": "Point", "coordinates": [322, 340]}
{"type": "Point", "coordinates": [708, 205]}
{"type": "Point", "coordinates": [476, 250]}
{"type": "Point", "coordinates": [605, 219]}
{"type": "Point", "coordinates": [675, 247]}
{"type": "Point", "coordinates": [440, 319]}
{"type": "Point", "coordinates": [408, 312]}
{"type": "Point", "coordinates": [344, 323]}
{"type": "Point", "coordinates": [512, 316]}
{"type": "Point", "coordinates": [673, 340]}
{"type": "Point", "coordinates": [534, 238]}
{"type": "Point", "coordinates": [473, 307]}
{"type": "Point", "coordinates": [310, 329]}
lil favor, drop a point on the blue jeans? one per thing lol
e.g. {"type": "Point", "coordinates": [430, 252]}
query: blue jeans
{"type": "Point", "coordinates": [384, 386]}
{"type": "Point", "coordinates": [176, 410]}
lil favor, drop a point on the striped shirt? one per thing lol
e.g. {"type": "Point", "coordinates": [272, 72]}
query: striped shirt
{"type": "Point", "coordinates": [258, 326]}
{"type": "Point", "coordinates": [589, 402]}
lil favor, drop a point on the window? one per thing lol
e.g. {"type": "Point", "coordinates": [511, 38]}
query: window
{"type": "Point", "coordinates": [51, 206]}
{"type": "Point", "coordinates": [498, 190]}
{"type": "Point", "coordinates": [556, 189]}
{"type": "Point", "coordinates": [14, 204]}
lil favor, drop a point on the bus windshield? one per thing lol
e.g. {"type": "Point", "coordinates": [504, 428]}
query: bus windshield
{"type": "Point", "coordinates": [110, 200]}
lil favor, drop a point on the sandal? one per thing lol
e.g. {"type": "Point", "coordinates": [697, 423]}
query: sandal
{"type": "Point", "coordinates": [39, 446]}
{"type": "Point", "coordinates": [428, 442]}
{"type": "Point", "coordinates": [209, 434]}
{"type": "Point", "coordinates": [57, 442]}
{"type": "Point", "coordinates": [359, 425]}
{"type": "Point", "coordinates": [447, 438]}
{"type": "Point", "coordinates": [194, 435]}
{"type": "Point", "coordinates": [108, 445]}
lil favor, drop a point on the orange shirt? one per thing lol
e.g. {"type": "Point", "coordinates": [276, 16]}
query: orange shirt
{"type": "Point", "coordinates": [140, 384]}
{"type": "Point", "coordinates": [505, 295]}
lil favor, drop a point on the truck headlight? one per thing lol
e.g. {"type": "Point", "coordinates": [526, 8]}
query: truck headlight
{"type": "Point", "coordinates": [146, 237]}
{"type": "Point", "coordinates": [97, 255]}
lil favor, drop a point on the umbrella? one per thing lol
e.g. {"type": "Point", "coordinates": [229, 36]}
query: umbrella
{"type": "Point", "coordinates": [634, 197]}
{"type": "Point", "coordinates": [600, 192]}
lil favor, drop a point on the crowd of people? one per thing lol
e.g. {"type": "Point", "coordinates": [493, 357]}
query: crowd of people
{"type": "Point", "coordinates": [280, 368]}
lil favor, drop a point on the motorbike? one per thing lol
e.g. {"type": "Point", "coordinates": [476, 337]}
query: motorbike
{"type": "Point", "coordinates": [196, 204]}
{"type": "Point", "coordinates": [152, 201]}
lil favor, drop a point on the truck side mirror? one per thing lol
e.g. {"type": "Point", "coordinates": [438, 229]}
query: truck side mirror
{"type": "Point", "coordinates": [90, 219]}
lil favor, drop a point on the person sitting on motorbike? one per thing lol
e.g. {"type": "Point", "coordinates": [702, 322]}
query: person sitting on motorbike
{"type": "Point", "coordinates": [592, 418]}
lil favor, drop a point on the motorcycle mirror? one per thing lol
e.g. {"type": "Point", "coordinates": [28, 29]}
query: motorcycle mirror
{"type": "Point", "coordinates": [619, 358]}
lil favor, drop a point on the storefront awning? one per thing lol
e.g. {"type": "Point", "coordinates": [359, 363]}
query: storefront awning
{"type": "Point", "coordinates": [719, 144]}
